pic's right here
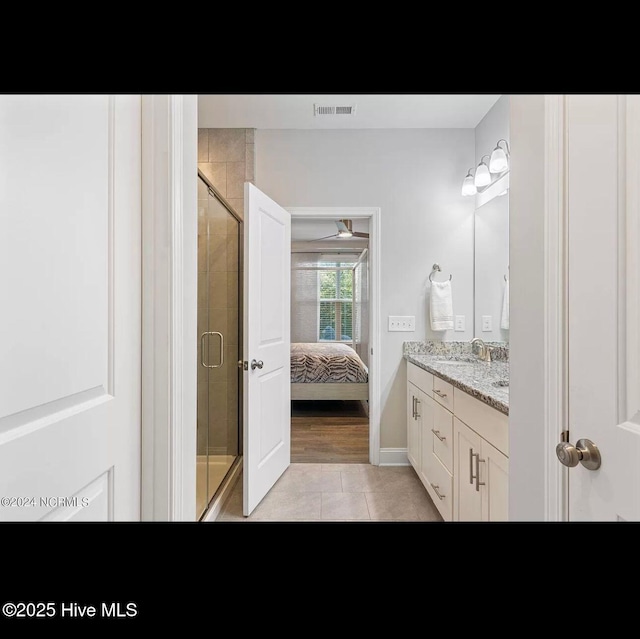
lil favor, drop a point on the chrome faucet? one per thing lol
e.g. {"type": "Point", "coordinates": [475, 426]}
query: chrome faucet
{"type": "Point", "coordinates": [485, 351]}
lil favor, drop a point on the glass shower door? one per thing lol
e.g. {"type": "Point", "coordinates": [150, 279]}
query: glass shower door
{"type": "Point", "coordinates": [219, 235]}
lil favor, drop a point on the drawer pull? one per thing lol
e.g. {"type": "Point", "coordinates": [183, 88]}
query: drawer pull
{"type": "Point", "coordinates": [437, 434]}
{"type": "Point", "coordinates": [439, 393]}
{"type": "Point", "coordinates": [435, 487]}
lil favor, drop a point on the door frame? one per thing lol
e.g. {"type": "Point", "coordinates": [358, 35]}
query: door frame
{"type": "Point", "coordinates": [169, 306]}
{"type": "Point", "coordinates": [372, 213]}
{"type": "Point", "coordinates": [556, 481]}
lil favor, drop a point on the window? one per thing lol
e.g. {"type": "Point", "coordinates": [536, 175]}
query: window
{"type": "Point", "coordinates": [335, 303]}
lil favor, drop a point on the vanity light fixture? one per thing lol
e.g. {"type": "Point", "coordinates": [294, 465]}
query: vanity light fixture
{"type": "Point", "coordinates": [499, 161]}
{"type": "Point", "coordinates": [483, 177]}
{"type": "Point", "coordinates": [468, 187]}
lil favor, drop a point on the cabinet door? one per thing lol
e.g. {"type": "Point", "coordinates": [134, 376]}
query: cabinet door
{"type": "Point", "coordinates": [425, 410]}
{"type": "Point", "coordinates": [494, 472]}
{"type": "Point", "coordinates": [468, 499]}
{"type": "Point", "coordinates": [413, 428]}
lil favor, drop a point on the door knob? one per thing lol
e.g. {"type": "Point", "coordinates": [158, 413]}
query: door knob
{"type": "Point", "coordinates": [585, 452]}
{"type": "Point", "coordinates": [256, 364]}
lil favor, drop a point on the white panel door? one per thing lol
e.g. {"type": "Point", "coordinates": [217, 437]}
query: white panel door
{"type": "Point", "coordinates": [70, 294]}
{"type": "Point", "coordinates": [593, 253]}
{"type": "Point", "coordinates": [267, 345]}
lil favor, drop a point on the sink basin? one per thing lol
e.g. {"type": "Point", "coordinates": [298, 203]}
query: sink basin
{"type": "Point", "coordinates": [502, 383]}
{"type": "Point", "coordinates": [453, 362]}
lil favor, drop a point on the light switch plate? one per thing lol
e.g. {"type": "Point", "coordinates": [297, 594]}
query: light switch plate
{"type": "Point", "coordinates": [402, 323]}
{"type": "Point", "coordinates": [459, 323]}
{"type": "Point", "coordinates": [487, 323]}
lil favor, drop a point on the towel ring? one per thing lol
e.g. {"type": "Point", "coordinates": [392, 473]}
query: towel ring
{"type": "Point", "coordinates": [436, 268]}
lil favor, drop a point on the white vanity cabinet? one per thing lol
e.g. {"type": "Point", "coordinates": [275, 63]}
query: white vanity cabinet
{"type": "Point", "coordinates": [433, 464]}
{"type": "Point", "coordinates": [458, 446]}
{"type": "Point", "coordinates": [481, 462]}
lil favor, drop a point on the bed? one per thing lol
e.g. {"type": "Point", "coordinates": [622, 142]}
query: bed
{"type": "Point", "coordinates": [327, 371]}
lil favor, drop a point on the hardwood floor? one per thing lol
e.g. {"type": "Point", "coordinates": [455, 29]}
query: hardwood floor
{"type": "Point", "coordinates": [329, 432]}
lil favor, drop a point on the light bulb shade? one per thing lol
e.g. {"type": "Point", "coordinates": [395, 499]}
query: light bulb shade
{"type": "Point", "coordinates": [499, 161]}
{"type": "Point", "coordinates": [345, 234]}
{"type": "Point", "coordinates": [483, 177]}
{"type": "Point", "coordinates": [468, 187]}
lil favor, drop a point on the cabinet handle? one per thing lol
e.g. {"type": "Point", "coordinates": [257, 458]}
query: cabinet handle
{"type": "Point", "coordinates": [414, 407]}
{"type": "Point", "coordinates": [437, 434]}
{"type": "Point", "coordinates": [439, 393]}
{"type": "Point", "coordinates": [417, 404]}
{"type": "Point", "coordinates": [477, 477]}
{"type": "Point", "coordinates": [471, 477]}
{"type": "Point", "coordinates": [435, 487]}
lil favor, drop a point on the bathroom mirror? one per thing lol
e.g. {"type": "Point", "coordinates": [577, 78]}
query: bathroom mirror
{"type": "Point", "coordinates": [491, 245]}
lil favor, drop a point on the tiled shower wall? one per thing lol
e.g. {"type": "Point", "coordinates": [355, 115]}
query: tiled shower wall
{"type": "Point", "coordinates": [227, 158]}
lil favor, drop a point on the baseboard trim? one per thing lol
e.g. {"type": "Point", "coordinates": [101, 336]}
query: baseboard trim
{"type": "Point", "coordinates": [393, 457]}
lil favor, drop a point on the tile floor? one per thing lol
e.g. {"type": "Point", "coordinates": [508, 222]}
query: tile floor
{"type": "Point", "coordinates": [339, 492]}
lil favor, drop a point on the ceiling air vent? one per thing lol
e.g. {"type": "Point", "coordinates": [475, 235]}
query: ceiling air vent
{"type": "Point", "coordinates": [334, 110]}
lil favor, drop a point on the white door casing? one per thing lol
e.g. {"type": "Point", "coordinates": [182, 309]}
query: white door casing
{"type": "Point", "coordinates": [169, 306]}
{"type": "Point", "coordinates": [71, 291]}
{"type": "Point", "coordinates": [267, 339]}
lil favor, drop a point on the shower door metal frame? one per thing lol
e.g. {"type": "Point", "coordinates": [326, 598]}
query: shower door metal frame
{"type": "Point", "coordinates": [215, 193]}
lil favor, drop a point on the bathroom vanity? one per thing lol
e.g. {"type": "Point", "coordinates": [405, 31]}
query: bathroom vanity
{"type": "Point", "coordinates": [457, 428]}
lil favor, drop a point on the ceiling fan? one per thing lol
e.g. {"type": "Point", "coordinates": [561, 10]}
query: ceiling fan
{"type": "Point", "coordinates": [345, 230]}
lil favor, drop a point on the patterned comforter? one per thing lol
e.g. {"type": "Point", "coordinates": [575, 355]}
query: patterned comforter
{"type": "Point", "coordinates": [332, 362]}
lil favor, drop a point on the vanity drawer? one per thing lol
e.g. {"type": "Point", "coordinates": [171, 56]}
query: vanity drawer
{"type": "Point", "coordinates": [420, 378]}
{"type": "Point", "coordinates": [443, 435]}
{"type": "Point", "coordinates": [443, 392]}
{"type": "Point", "coordinates": [441, 489]}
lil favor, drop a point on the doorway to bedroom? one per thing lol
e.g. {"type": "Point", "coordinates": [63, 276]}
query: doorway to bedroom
{"type": "Point", "coordinates": [332, 410]}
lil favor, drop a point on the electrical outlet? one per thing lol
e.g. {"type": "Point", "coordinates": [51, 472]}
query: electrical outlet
{"type": "Point", "coordinates": [487, 323]}
{"type": "Point", "coordinates": [459, 323]}
{"type": "Point", "coordinates": [402, 323]}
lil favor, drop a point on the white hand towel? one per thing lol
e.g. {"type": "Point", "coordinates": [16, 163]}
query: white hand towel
{"type": "Point", "coordinates": [504, 321]}
{"type": "Point", "coordinates": [441, 307]}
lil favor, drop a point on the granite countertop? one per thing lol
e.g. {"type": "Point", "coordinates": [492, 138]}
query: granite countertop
{"type": "Point", "coordinates": [469, 374]}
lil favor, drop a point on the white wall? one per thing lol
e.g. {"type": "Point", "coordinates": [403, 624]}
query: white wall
{"type": "Point", "coordinates": [526, 248]}
{"type": "Point", "coordinates": [491, 230]}
{"type": "Point", "coordinates": [415, 176]}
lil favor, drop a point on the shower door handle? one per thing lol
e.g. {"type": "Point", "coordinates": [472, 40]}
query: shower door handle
{"type": "Point", "coordinates": [202, 339]}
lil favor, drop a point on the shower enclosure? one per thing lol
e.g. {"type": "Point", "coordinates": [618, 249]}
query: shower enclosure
{"type": "Point", "coordinates": [220, 261]}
